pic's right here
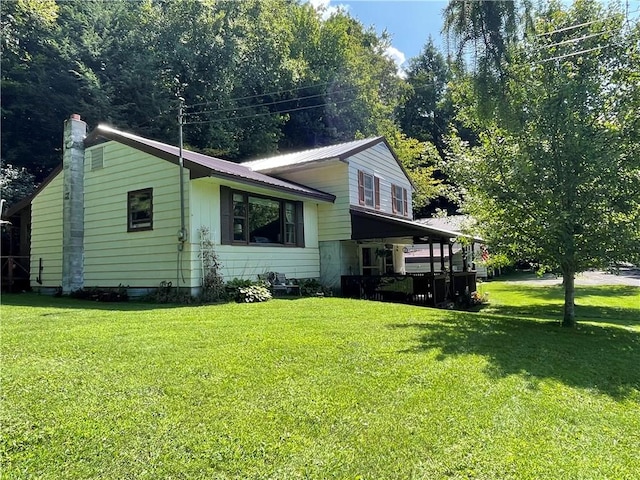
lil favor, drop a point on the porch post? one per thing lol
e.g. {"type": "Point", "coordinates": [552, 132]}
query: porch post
{"type": "Point", "coordinates": [465, 262]}
{"type": "Point", "coordinates": [431, 262]}
{"type": "Point", "coordinates": [473, 256]}
{"type": "Point", "coordinates": [452, 285]}
{"type": "Point", "coordinates": [441, 255]}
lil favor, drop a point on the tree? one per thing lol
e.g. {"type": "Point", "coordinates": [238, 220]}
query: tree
{"type": "Point", "coordinates": [556, 173]}
{"type": "Point", "coordinates": [15, 184]}
{"type": "Point", "coordinates": [425, 114]}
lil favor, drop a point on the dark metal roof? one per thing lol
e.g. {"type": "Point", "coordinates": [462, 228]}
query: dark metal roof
{"type": "Point", "coordinates": [201, 165]}
{"type": "Point", "coordinates": [367, 224]}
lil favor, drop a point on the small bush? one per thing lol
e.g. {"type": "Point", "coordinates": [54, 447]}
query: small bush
{"type": "Point", "coordinates": [252, 294]}
{"type": "Point", "coordinates": [213, 289]}
{"type": "Point", "coordinates": [166, 293]}
{"type": "Point", "coordinates": [310, 287]}
{"type": "Point", "coordinates": [247, 291]}
{"type": "Point", "coordinates": [102, 294]}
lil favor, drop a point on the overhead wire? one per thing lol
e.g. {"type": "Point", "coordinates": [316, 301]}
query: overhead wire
{"type": "Point", "coordinates": [571, 27]}
{"type": "Point", "coordinates": [276, 102]}
{"type": "Point", "coordinates": [573, 54]}
{"type": "Point", "coordinates": [267, 113]}
{"type": "Point", "coordinates": [573, 40]}
{"type": "Point", "coordinates": [257, 95]}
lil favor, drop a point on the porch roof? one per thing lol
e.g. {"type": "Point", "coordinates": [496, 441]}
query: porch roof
{"type": "Point", "coordinates": [367, 224]}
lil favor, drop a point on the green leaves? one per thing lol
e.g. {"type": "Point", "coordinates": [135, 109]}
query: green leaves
{"type": "Point", "coordinates": [553, 174]}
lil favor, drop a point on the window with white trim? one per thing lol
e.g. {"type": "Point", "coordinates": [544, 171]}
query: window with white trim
{"type": "Point", "coordinates": [368, 189]}
{"type": "Point", "coordinates": [399, 200]}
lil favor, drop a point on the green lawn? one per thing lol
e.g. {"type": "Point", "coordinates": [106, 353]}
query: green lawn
{"type": "Point", "coordinates": [322, 388]}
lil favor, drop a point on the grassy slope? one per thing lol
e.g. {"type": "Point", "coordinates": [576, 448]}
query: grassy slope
{"type": "Point", "coordinates": [321, 388]}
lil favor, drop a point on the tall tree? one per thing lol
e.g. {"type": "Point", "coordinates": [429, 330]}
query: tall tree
{"type": "Point", "coordinates": [556, 173]}
{"type": "Point", "coordinates": [425, 114]}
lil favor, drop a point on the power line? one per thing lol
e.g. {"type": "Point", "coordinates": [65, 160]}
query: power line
{"type": "Point", "coordinates": [276, 102]}
{"type": "Point", "coordinates": [573, 54]}
{"type": "Point", "coordinates": [267, 113]}
{"type": "Point", "coordinates": [571, 27]}
{"type": "Point", "coordinates": [573, 40]}
{"type": "Point", "coordinates": [567, 28]}
{"type": "Point", "coordinates": [265, 94]}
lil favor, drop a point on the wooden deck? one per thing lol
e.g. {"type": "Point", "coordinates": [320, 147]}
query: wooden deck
{"type": "Point", "coordinates": [425, 289]}
{"type": "Point", "coordinates": [15, 273]}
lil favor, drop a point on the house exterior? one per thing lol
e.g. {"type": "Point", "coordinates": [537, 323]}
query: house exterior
{"type": "Point", "coordinates": [466, 255]}
{"type": "Point", "coordinates": [124, 210]}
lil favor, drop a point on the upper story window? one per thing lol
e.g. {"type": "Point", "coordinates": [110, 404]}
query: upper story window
{"type": "Point", "coordinates": [368, 189]}
{"type": "Point", "coordinates": [140, 210]}
{"type": "Point", "coordinates": [399, 200]}
{"type": "Point", "coordinates": [249, 219]}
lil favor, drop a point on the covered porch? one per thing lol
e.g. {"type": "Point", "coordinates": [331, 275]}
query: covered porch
{"type": "Point", "coordinates": [383, 242]}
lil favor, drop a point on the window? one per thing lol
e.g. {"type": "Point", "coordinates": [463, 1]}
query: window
{"type": "Point", "coordinates": [255, 219]}
{"type": "Point", "coordinates": [368, 189]}
{"type": "Point", "coordinates": [140, 210]}
{"type": "Point", "coordinates": [399, 201]}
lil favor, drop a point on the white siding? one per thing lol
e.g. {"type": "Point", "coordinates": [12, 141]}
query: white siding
{"type": "Point", "coordinates": [341, 179]}
{"type": "Point", "coordinates": [46, 235]}
{"type": "Point", "coordinates": [114, 256]}
{"type": "Point", "coordinates": [379, 161]}
{"type": "Point", "coordinates": [251, 260]}
{"type": "Point", "coordinates": [334, 220]}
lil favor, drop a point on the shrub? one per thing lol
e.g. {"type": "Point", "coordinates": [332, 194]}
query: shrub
{"type": "Point", "coordinates": [102, 294]}
{"type": "Point", "coordinates": [213, 288]}
{"type": "Point", "coordinates": [247, 291]}
{"type": "Point", "coordinates": [253, 293]}
{"type": "Point", "coordinates": [310, 287]}
{"type": "Point", "coordinates": [166, 293]}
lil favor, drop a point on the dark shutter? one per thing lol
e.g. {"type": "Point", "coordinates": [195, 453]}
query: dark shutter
{"type": "Point", "coordinates": [299, 224]}
{"type": "Point", "coordinates": [394, 199]}
{"type": "Point", "coordinates": [376, 186]}
{"type": "Point", "coordinates": [225, 215]}
{"type": "Point", "coordinates": [361, 187]}
{"type": "Point", "coordinates": [406, 203]}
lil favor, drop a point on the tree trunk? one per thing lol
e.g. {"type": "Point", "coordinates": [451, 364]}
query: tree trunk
{"type": "Point", "coordinates": [569, 319]}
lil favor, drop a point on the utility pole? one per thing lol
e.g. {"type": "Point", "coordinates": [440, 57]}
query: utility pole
{"type": "Point", "coordinates": [182, 233]}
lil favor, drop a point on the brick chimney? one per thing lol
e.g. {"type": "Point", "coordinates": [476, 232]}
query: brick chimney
{"type": "Point", "coordinates": [75, 130]}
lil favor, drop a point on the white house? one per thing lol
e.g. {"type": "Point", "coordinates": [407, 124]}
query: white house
{"type": "Point", "coordinates": [127, 210]}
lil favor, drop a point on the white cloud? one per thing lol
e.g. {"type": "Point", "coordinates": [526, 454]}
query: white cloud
{"type": "Point", "coordinates": [398, 57]}
{"type": "Point", "coordinates": [326, 9]}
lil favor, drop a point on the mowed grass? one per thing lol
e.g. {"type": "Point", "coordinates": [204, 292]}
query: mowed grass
{"type": "Point", "coordinates": [321, 388]}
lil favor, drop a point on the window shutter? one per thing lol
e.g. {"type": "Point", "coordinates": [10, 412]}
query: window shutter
{"type": "Point", "coordinates": [406, 203]}
{"type": "Point", "coordinates": [225, 215]}
{"type": "Point", "coordinates": [376, 187]}
{"type": "Point", "coordinates": [394, 199]}
{"type": "Point", "coordinates": [361, 187]}
{"type": "Point", "coordinates": [299, 224]}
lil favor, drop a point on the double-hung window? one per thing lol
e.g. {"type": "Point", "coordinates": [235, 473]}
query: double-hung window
{"type": "Point", "coordinates": [399, 200]}
{"type": "Point", "coordinates": [368, 190]}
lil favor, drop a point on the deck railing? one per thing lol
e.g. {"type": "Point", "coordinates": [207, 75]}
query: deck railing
{"type": "Point", "coordinates": [15, 273]}
{"type": "Point", "coordinates": [429, 289]}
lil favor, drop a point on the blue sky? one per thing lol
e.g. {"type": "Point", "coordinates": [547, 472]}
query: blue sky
{"type": "Point", "coordinates": [409, 22]}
